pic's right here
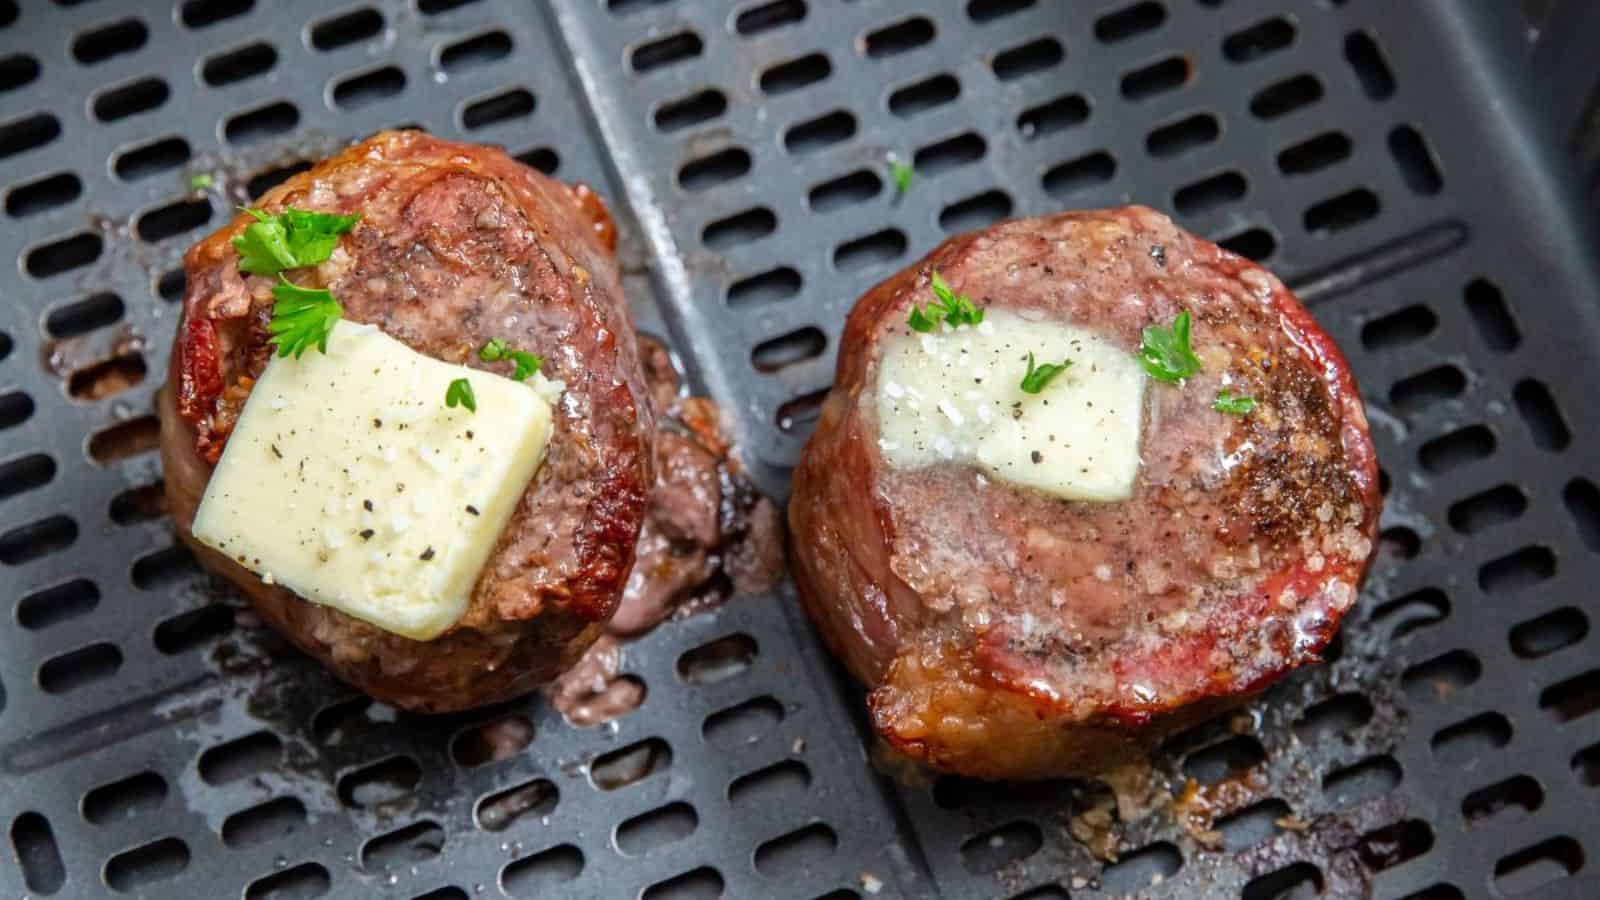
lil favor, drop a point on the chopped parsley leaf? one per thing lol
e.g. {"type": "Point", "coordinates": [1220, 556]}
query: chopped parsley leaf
{"type": "Point", "coordinates": [492, 351]}
{"type": "Point", "coordinates": [1226, 402]}
{"type": "Point", "coordinates": [1038, 376]}
{"type": "Point", "coordinates": [946, 307]}
{"type": "Point", "coordinates": [527, 364]}
{"type": "Point", "coordinates": [301, 317]}
{"type": "Point", "coordinates": [264, 246]}
{"type": "Point", "coordinates": [1166, 353]}
{"type": "Point", "coordinates": [495, 350]}
{"type": "Point", "coordinates": [459, 393]}
{"type": "Point", "coordinates": [901, 173]}
{"type": "Point", "coordinates": [292, 239]}
{"type": "Point", "coordinates": [313, 235]}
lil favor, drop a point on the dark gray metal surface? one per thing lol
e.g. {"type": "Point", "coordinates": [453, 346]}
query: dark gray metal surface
{"type": "Point", "coordinates": [1395, 162]}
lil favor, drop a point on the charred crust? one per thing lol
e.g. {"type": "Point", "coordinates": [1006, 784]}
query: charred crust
{"type": "Point", "coordinates": [1304, 469]}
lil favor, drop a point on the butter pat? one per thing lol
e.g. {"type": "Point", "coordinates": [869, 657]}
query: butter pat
{"type": "Point", "coordinates": [955, 396]}
{"type": "Point", "coordinates": [348, 481]}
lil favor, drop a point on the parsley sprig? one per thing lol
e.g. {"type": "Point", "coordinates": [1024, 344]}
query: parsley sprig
{"type": "Point", "coordinates": [1228, 402]}
{"type": "Point", "coordinates": [459, 393]}
{"type": "Point", "coordinates": [292, 239]}
{"type": "Point", "coordinates": [946, 307]}
{"type": "Point", "coordinates": [1038, 376]}
{"type": "Point", "coordinates": [264, 245]}
{"type": "Point", "coordinates": [526, 364]}
{"type": "Point", "coordinates": [301, 317]}
{"type": "Point", "coordinates": [1166, 352]}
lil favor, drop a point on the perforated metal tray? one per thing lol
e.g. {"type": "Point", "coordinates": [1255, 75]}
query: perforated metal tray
{"type": "Point", "coordinates": [1403, 165]}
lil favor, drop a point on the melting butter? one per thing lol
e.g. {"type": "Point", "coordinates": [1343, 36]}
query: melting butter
{"type": "Point", "coordinates": [348, 480]}
{"type": "Point", "coordinates": [955, 396]}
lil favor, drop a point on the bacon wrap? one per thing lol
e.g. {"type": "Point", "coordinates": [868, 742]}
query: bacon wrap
{"type": "Point", "coordinates": [199, 369]}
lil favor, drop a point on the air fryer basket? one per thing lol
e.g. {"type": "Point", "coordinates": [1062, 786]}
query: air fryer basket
{"type": "Point", "coordinates": [1404, 166]}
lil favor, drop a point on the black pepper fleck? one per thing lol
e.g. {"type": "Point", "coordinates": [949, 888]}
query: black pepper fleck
{"type": "Point", "coordinates": [366, 534]}
{"type": "Point", "coordinates": [366, 505]}
{"type": "Point", "coordinates": [1037, 456]}
{"type": "Point", "coordinates": [275, 451]}
{"type": "Point", "coordinates": [426, 555]}
{"type": "Point", "coordinates": [471, 510]}
{"type": "Point", "coordinates": [377, 423]}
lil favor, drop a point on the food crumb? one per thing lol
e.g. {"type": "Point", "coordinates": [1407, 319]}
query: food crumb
{"type": "Point", "coordinates": [1292, 823]}
{"type": "Point", "coordinates": [799, 746]}
{"type": "Point", "coordinates": [1079, 882]}
{"type": "Point", "coordinates": [870, 883]}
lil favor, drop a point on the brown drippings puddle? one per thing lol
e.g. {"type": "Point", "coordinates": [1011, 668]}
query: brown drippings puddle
{"type": "Point", "coordinates": [125, 439]}
{"type": "Point", "coordinates": [709, 534]}
{"type": "Point", "coordinates": [103, 379]}
{"type": "Point", "coordinates": [96, 365]}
